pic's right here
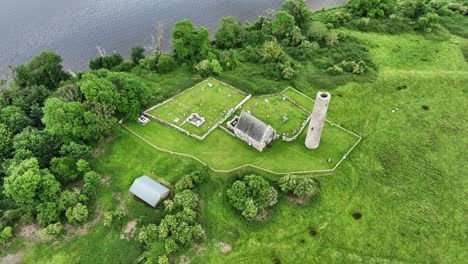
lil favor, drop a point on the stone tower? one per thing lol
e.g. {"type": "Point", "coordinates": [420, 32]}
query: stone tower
{"type": "Point", "coordinates": [317, 119]}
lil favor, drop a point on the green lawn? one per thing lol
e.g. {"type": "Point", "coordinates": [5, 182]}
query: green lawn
{"type": "Point", "coordinates": [407, 178]}
{"type": "Point", "coordinates": [272, 109]}
{"type": "Point", "coordinates": [212, 103]}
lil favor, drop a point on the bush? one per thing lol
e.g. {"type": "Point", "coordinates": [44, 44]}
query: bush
{"type": "Point", "coordinates": [148, 234]}
{"type": "Point", "coordinates": [252, 195]}
{"type": "Point", "coordinates": [137, 54]}
{"type": "Point", "coordinates": [186, 199]}
{"type": "Point", "coordinates": [77, 214]}
{"type": "Point", "coordinates": [166, 63]}
{"type": "Point", "coordinates": [150, 62]}
{"type": "Point", "coordinates": [114, 218]}
{"type": "Point", "coordinates": [67, 199]}
{"type": "Point", "coordinates": [6, 234]}
{"type": "Point", "coordinates": [107, 62]}
{"type": "Point", "coordinates": [125, 66]}
{"type": "Point", "coordinates": [208, 67]}
{"type": "Point", "coordinates": [91, 182]}
{"type": "Point", "coordinates": [288, 73]}
{"type": "Point", "coordinates": [47, 213]}
{"type": "Point", "coordinates": [300, 186]}
{"type": "Point", "coordinates": [428, 23]}
{"type": "Point", "coordinates": [371, 8]}
{"type": "Point", "coordinates": [51, 231]}
{"type": "Point", "coordinates": [179, 230]}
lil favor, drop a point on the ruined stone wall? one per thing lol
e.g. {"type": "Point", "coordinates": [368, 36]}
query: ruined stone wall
{"type": "Point", "coordinates": [317, 120]}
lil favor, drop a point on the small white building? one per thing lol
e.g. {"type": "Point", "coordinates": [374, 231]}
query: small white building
{"type": "Point", "coordinates": [143, 120]}
{"type": "Point", "coordinates": [149, 190]}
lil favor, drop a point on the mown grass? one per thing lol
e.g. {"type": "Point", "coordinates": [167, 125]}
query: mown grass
{"type": "Point", "coordinates": [407, 179]}
{"type": "Point", "coordinates": [272, 109]}
{"type": "Point", "coordinates": [211, 103]}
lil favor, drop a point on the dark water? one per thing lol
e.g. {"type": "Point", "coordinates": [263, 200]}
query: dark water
{"type": "Point", "coordinates": [73, 28]}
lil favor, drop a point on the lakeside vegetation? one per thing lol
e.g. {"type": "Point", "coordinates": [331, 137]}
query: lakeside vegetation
{"type": "Point", "coordinates": [398, 198]}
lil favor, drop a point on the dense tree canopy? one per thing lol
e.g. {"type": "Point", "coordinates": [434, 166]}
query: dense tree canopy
{"type": "Point", "coordinates": [252, 195]}
{"type": "Point", "coordinates": [229, 33]}
{"type": "Point", "coordinates": [28, 185]}
{"type": "Point", "coordinates": [298, 9]}
{"type": "Point", "coordinates": [372, 8]}
{"type": "Point", "coordinates": [283, 24]}
{"type": "Point", "coordinates": [137, 54]}
{"type": "Point", "coordinates": [189, 42]}
{"type": "Point", "coordinates": [44, 69]}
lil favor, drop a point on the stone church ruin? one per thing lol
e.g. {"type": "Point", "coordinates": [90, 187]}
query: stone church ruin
{"type": "Point", "coordinates": [252, 130]}
{"type": "Point", "coordinates": [317, 120]}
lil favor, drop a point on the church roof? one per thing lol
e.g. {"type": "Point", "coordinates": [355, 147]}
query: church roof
{"type": "Point", "coordinates": [252, 126]}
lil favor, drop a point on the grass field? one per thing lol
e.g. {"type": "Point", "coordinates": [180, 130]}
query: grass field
{"type": "Point", "coordinates": [212, 103]}
{"type": "Point", "coordinates": [272, 109]}
{"type": "Point", "coordinates": [407, 178]}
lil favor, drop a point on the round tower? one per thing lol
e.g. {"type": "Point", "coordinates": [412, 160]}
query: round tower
{"type": "Point", "coordinates": [317, 118]}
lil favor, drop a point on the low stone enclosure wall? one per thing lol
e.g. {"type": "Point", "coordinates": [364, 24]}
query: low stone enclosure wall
{"type": "Point", "coordinates": [230, 112]}
{"type": "Point", "coordinates": [180, 129]}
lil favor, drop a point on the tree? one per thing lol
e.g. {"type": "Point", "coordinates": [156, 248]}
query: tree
{"type": "Point", "coordinates": [31, 100]}
{"type": "Point", "coordinates": [229, 34]}
{"type": "Point", "coordinates": [114, 218]}
{"type": "Point", "coordinates": [208, 67]}
{"type": "Point", "coordinates": [166, 63]}
{"type": "Point", "coordinates": [28, 185]}
{"type": "Point", "coordinates": [67, 199]}
{"type": "Point", "coordinates": [99, 90]}
{"type": "Point", "coordinates": [186, 199]}
{"type": "Point", "coordinates": [6, 143]}
{"type": "Point", "coordinates": [40, 143]}
{"type": "Point", "coordinates": [44, 69]}
{"type": "Point", "coordinates": [300, 186]}
{"type": "Point", "coordinates": [298, 9]}
{"type": "Point", "coordinates": [150, 62]}
{"type": "Point", "coordinates": [137, 54]}
{"type": "Point", "coordinates": [272, 52]}
{"type": "Point", "coordinates": [180, 229]}
{"type": "Point", "coordinates": [228, 59]}
{"type": "Point", "coordinates": [91, 182]}
{"type": "Point", "coordinates": [189, 42]}
{"type": "Point", "coordinates": [64, 169]}
{"type": "Point", "coordinates": [47, 213]}
{"type": "Point", "coordinates": [371, 8]}
{"type": "Point", "coordinates": [148, 234]}
{"type": "Point", "coordinates": [64, 120]}
{"type": "Point", "coordinates": [14, 118]}
{"type": "Point", "coordinates": [51, 231]}
{"type": "Point", "coordinates": [133, 93]}
{"type": "Point", "coordinates": [76, 151]}
{"type": "Point", "coordinates": [77, 214]}
{"type": "Point", "coordinates": [106, 62]}
{"type": "Point", "coordinates": [283, 24]}
{"type": "Point", "coordinates": [252, 195]}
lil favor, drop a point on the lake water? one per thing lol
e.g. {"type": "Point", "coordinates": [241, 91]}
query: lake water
{"type": "Point", "coordinates": [73, 28]}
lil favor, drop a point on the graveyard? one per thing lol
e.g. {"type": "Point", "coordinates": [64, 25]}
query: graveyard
{"type": "Point", "coordinates": [224, 152]}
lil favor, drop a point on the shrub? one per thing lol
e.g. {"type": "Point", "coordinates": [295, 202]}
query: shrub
{"type": "Point", "coordinates": [300, 186]}
{"type": "Point", "coordinates": [148, 234]}
{"type": "Point", "coordinates": [114, 218]}
{"type": "Point", "coordinates": [163, 260]}
{"type": "Point", "coordinates": [252, 195]}
{"type": "Point", "coordinates": [107, 62]}
{"type": "Point", "coordinates": [91, 182]}
{"type": "Point", "coordinates": [47, 213]}
{"type": "Point", "coordinates": [208, 67]}
{"type": "Point", "coordinates": [67, 199]}
{"type": "Point", "coordinates": [77, 214]}
{"type": "Point", "coordinates": [6, 234]}
{"type": "Point", "coordinates": [428, 23]}
{"type": "Point", "coordinates": [288, 73]}
{"type": "Point", "coordinates": [150, 62]}
{"type": "Point", "coordinates": [186, 199]}
{"type": "Point", "coordinates": [137, 54]}
{"type": "Point", "coordinates": [371, 8]}
{"type": "Point", "coordinates": [180, 230]}
{"type": "Point", "coordinates": [125, 66]}
{"type": "Point", "coordinates": [166, 63]}
{"type": "Point", "coordinates": [51, 231]}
